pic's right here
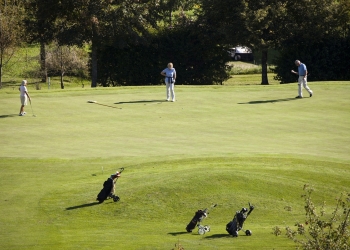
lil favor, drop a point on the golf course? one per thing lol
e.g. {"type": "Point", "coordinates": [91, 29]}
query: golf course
{"type": "Point", "coordinates": [225, 144]}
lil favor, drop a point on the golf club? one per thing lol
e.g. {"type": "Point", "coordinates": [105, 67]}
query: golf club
{"type": "Point", "coordinates": [30, 101]}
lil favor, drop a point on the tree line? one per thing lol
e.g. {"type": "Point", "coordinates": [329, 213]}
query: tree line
{"type": "Point", "coordinates": [130, 41]}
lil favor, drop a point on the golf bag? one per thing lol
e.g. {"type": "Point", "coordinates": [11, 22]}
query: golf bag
{"type": "Point", "coordinates": [108, 185]}
{"type": "Point", "coordinates": [197, 219]}
{"type": "Point", "coordinates": [238, 220]}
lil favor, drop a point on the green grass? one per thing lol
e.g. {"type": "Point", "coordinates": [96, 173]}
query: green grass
{"type": "Point", "coordinates": [247, 68]}
{"type": "Point", "coordinates": [24, 61]}
{"type": "Point", "coordinates": [217, 144]}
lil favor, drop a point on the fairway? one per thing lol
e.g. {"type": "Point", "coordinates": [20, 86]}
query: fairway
{"type": "Point", "coordinates": [228, 145]}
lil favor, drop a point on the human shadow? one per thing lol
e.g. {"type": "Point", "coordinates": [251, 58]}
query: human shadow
{"type": "Point", "coordinates": [269, 101]}
{"type": "Point", "coordinates": [214, 236]}
{"type": "Point", "coordinates": [6, 116]}
{"type": "Point", "coordinates": [141, 101]}
{"type": "Point", "coordinates": [177, 233]}
{"type": "Point", "coordinates": [83, 205]}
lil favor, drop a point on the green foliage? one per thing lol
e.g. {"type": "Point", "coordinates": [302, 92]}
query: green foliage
{"type": "Point", "coordinates": [122, 29]}
{"type": "Point", "coordinates": [10, 34]}
{"type": "Point", "coordinates": [40, 20]}
{"type": "Point", "coordinates": [326, 59]}
{"type": "Point", "coordinates": [196, 58]}
{"type": "Point", "coordinates": [320, 38]}
{"type": "Point", "coordinates": [321, 231]}
{"type": "Point", "coordinates": [239, 67]}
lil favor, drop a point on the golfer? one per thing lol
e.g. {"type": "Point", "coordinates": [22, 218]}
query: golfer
{"type": "Point", "coordinates": [23, 96]}
{"type": "Point", "coordinates": [170, 77]}
{"type": "Point", "coordinates": [302, 80]}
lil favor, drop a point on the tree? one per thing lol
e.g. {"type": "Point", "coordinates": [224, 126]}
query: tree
{"type": "Point", "coordinates": [62, 59]}
{"type": "Point", "coordinates": [168, 7]}
{"type": "Point", "coordinates": [322, 231]}
{"type": "Point", "coordinates": [197, 57]}
{"type": "Point", "coordinates": [255, 23]}
{"type": "Point", "coordinates": [40, 23]}
{"type": "Point", "coordinates": [10, 30]}
{"type": "Point", "coordinates": [266, 24]}
{"type": "Point", "coordinates": [118, 23]}
{"type": "Point", "coordinates": [320, 38]}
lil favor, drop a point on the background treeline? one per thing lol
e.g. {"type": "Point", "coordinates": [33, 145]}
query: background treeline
{"type": "Point", "coordinates": [115, 42]}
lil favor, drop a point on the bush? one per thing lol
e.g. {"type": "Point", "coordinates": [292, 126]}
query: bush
{"type": "Point", "coordinates": [196, 57]}
{"type": "Point", "coordinates": [321, 231]}
{"type": "Point", "coordinates": [326, 60]}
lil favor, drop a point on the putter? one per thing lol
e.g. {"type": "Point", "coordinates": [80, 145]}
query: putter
{"type": "Point", "coordinates": [31, 108]}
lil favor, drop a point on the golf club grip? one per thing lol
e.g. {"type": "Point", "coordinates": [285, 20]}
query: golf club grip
{"type": "Point", "coordinates": [251, 209]}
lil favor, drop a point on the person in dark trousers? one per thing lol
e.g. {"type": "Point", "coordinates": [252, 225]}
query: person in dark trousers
{"type": "Point", "coordinates": [302, 80]}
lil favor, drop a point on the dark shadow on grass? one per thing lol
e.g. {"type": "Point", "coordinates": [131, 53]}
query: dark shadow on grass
{"type": "Point", "coordinates": [84, 205]}
{"type": "Point", "coordinates": [269, 101]}
{"type": "Point", "coordinates": [107, 105]}
{"type": "Point", "coordinates": [142, 101]}
{"type": "Point", "coordinates": [7, 116]}
{"type": "Point", "coordinates": [214, 236]}
{"type": "Point", "coordinates": [177, 233]}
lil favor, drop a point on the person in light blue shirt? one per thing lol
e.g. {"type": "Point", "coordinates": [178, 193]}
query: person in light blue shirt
{"type": "Point", "coordinates": [170, 77]}
{"type": "Point", "coordinates": [302, 80]}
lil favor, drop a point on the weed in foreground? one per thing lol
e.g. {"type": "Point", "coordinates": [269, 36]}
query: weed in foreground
{"type": "Point", "coordinates": [321, 231]}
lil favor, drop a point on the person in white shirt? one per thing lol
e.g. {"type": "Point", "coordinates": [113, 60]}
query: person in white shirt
{"type": "Point", "coordinates": [23, 96]}
{"type": "Point", "coordinates": [170, 77]}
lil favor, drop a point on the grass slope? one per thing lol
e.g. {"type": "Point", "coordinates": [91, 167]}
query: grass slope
{"type": "Point", "coordinates": [216, 144]}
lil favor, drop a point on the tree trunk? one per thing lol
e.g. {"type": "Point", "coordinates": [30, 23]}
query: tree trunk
{"type": "Point", "coordinates": [62, 84]}
{"type": "Point", "coordinates": [264, 79]}
{"type": "Point", "coordinates": [171, 18]}
{"type": "Point", "coordinates": [93, 65]}
{"type": "Point", "coordinates": [43, 62]}
{"type": "Point", "coordinates": [0, 75]}
{"type": "Point", "coordinates": [1, 71]}
{"type": "Point", "coordinates": [62, 66]}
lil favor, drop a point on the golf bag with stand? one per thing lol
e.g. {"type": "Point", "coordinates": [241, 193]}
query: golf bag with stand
{"type": "Point", "coordinates": [106, 192]}
{"type": "Point", "coordinates": [237, 223]}
{"type": "Point", "coordinates": [196, 221]}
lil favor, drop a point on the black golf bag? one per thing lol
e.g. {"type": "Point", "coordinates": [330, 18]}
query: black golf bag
{"type": "Point", "coordinates": [197, 219]}
{"type": "Point", "coordinates": [238, 220]}
{"type": "Point", "coordinates": [105, 192]}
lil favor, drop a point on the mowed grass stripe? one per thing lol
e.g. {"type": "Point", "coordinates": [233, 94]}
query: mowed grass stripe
{"type": "Point", "coordinates": [159, 198]}
{"type": "Point", "coordinates": [205, 120]}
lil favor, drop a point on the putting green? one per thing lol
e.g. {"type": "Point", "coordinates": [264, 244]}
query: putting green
{"type": "Point", "coordinates": [228, 145]}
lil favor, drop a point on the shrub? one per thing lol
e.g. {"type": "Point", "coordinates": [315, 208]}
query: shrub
{"type": "Point", "coordinates": [321, 231]}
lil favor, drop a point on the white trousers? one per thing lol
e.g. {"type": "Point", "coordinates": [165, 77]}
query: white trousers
{"type": "Point", "coordinates": [302, 81]}
{"type": "Point", "coordinates": [170, 90]}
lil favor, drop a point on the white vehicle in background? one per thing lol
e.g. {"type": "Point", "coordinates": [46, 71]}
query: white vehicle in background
{"type": "Point", "coordinates": [241, 53]}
